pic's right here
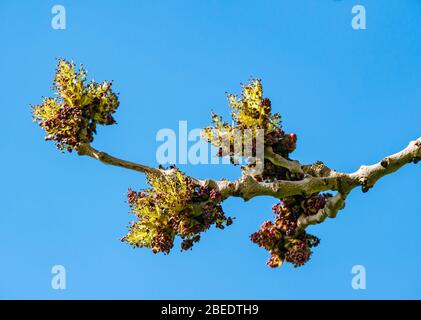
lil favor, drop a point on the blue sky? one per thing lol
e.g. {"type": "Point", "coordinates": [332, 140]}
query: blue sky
{"type": "Point", "coordinates": [351, 96]}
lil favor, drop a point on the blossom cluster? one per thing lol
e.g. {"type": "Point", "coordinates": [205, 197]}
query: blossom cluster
{"type": "Point", "coordinates": [282, 238]}
{"type": "Point", "coordinates": [250, 112]}
{"type": "Point", "coordinates": [173, 206]}
{"type": "Point", "coordinates": [251, 116]}
{"type": "Point", "coordinates": [72, 116]}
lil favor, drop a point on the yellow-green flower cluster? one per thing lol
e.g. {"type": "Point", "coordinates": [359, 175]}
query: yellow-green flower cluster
{"type": "Point", "coordinates": [173, 206]}
{"type": "Point", "coordinates": [252, 122]}
{"type": "Point", "coordinates": [251, 111]}
{"type": "Point", "coordinates": [72, 116]}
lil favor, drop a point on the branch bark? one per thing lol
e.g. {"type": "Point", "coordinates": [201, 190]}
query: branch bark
{"type": "Point", "coordinates": [330, 210]}
{"type": "Point", "coordinates": [318, 178]}
{"type": "Point", "coordinates": [276, 159]}
{"type": "Point", "coordinates": [85, 149]}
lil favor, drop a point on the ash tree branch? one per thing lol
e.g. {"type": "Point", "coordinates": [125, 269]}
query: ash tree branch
{"type": "Point", "coordinates": [85, 149]}
{"type": "Point", "coordinates": [367, 176]}
{"type": "Point", "coordinates": [331, 209]}
{"type": "Point", "coordinates": [319, 178]}
{"type": "Point", "coordinates": [278, 160]}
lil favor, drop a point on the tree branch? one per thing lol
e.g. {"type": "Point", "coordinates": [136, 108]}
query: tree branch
{"type": "Point", "coordinates": [322, 178]}
{"type": "Point", "coordinates": [367, 176]}
{"type": "Point", "coordinates": [330, 210]}
{"type": "Point", "coordinates": [85, 149]}
{"type": "Point", "coordinates": [319, 178]}
{"type": "Point", "coordinates": [276, 159]}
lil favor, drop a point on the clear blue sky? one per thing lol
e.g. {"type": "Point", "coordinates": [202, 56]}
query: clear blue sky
{"type": "Point", "coordinates": [351, 97]}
